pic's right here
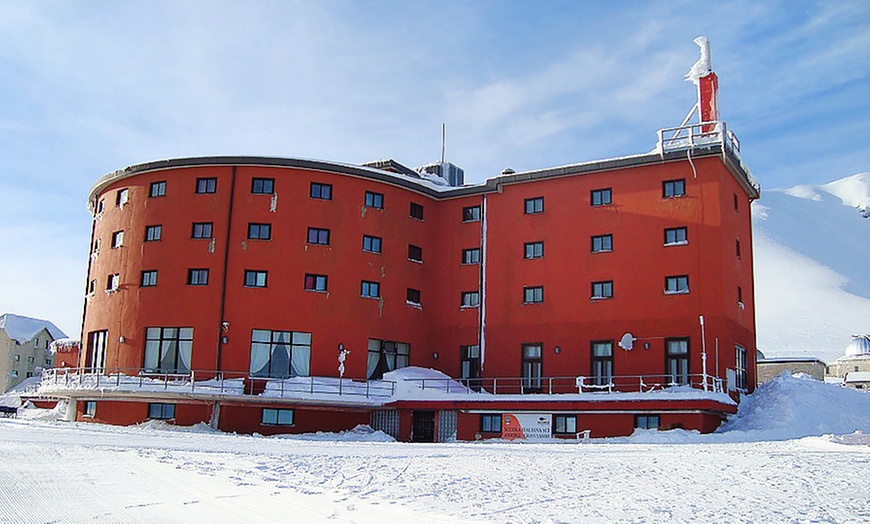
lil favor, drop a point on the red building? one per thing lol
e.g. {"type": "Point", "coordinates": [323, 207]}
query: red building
{"type": "Point", "coordinates": [221, 289]}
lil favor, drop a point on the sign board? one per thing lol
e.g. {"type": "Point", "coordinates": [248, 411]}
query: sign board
{"type": "Point", "coordinates": [526, 426]}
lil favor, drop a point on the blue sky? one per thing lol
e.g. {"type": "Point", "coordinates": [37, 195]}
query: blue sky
{"type": "Point", "coordinates": [90, 87]}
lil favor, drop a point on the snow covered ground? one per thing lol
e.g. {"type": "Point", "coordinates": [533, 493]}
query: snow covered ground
{"type": "Point", "coordinates": [67, 472]}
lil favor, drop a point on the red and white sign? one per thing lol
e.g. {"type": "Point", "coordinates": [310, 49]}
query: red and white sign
{"type": "Point", "coordinates": [526, 426]}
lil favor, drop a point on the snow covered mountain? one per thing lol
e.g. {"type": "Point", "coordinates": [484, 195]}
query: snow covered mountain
{"type": "Point", "coordinates": [812, 267]}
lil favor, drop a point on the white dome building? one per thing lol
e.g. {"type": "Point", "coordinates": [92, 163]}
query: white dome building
{"type": "Point", "coordinates": [853, 368]}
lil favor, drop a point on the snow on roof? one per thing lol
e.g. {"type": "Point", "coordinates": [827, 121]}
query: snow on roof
{"type": "Point", "coordinates": [24, 329]}
{"type": "Point", "coordinates": [857, 376]}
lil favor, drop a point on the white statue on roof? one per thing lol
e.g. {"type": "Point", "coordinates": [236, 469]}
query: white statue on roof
{"type": "Point", "coordinates": [702, 67]}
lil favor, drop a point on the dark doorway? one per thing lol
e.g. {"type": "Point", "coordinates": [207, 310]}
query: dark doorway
{"type": "Point", "coordinates": [424, 426]}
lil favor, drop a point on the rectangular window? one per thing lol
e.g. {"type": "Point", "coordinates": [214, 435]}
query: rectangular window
{"type": "Point", "coordinates": [158, 189]}
{"type": "Point", "coordinates": [149, 278]}
{"type": "Point", "coordinates": [602, 362]}
{"type": "Point", "coordinates": [490, 423]}
{"type": "Point", "coordinates": [471, 256]}
{"type": "Point", "coordinates": [320, 191]}
{"type": "Point", "coordinates": [601, 290]}
{"type": "Point", "coordinates": [315, 282]}
{"type": "Point", "coordinates": [415, 253]}
{"type": "Point", "coordinates": [677, 360]}
{"type": "Point", "coordinates": [17, 357]}
{"type": "Point", "coordinates": [469, 366]}
{"type": "Point", "coordinates": [736, 208]}
{"type": "Point", "coordinates": [676, 284]}
{"type": "Point", "coordinates": [318, 236]}
{"type": "Point", "coordinates": [533, 250]}
{"type": "Point", "coordinates": [122, 197]}
{"type": "Point", "coordinates": [676, 236]}
{"type": "Point", "coordinates": [30, 360]}
{"type": "Point", "coordinates": [262, 186]}
{"type": "Point", "coordinates": [276, 417]}
{"type": "Point", "coordinates": [159, 411]}
{"type": "Point", "coordinates": [371, 244]}
{"type": "Point", "coordinates": [532, 367]}
{"type": "Point", "coordinates": [534, 205]}
{"type": "Point", "coordinates": [601, 197]}
{"type": "Point", "coordinates": [197, 277]}
{"type": "Point", "coordinates": [673, 188]}
{"type": "Point", "coordinates": [375, 200]}
{"type": "Point", "coordinates": [101, 205]}
{"type": "Point", "coordinates": [602, 243]}
{"type": "Point", "coordinates": [92, 287]}
{"type": "Point", "coordinates": [117, 239]}
{"type": "Point", "coordinates": [740, 367]}
{"type": "Point", "coordinates": [413, 296]}
{"type": "Point", "coordinates": [280, 354]}
{"type": "Point", "coordinates": [471, 214]}
{"type": "Point", "coordinates": [386, 355]}
{"type": "Point", "coordinates": [14, 372]}
{"type": "Point", "coordinates": [646, 421]}
{"type": "Point", "coordinates": [737, 247]}
{"type": "Point", "coordinates": [533, 295]}
{"type": "Point", "coordinates": [255, 278]}
{"type": "Point", "coordinates": [259, 231]}
{"type": "Point", "coordinates": [740, 295]}
{"type": "Point", "coordinates": [96, 250]}
{"type": "Point", "coordinates": [370, 289]}
{"type": "Point", "coordinates": [565, 424]}
{"type": "Point", "coordinates": [206, 185]}
{"type": "Point", "coordinates": [95, 359]}
{"type": "Point", "coordinates": [168, 349]}
{"type": "Point", "coordinates": [153, 233]}
{"type": "Point", "coordinates": [202, 230]}
{"type": "Point", "coordinates": [416, 211]}
{"type": "Point", "coordinates": [90, 409]}
{"type": "Point", "coordinates": [113, 282]}
{"type": "Point", "coordinates": [470, 299]}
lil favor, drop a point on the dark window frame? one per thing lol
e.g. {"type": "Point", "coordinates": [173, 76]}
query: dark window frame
{"type": "Point", "coordinates": [532, 369]}
{"type": "Point", "coordinates": [318, 236]}
{"type": "Point", "coordinates": [252, 278]}
{"type": "Point", "coordinates": [157, 189]}
{"type": "Point", "coordinates": [601, 197]}
{"type": "Point", "coordinates": [371, 241]}
{"type": "Point", "coordinates": [374, 200]}
{"type": "Point", "coordinates": [316, 283]}
{"type": "Point", "coordinates": [473, 299]}
{"type": "Point", "coordinates": [205, 186]}
{"type": "Point", "coordinates": [601, 290]}
{"type": "Point", "coordinates": [320, 191]}
{"type": "Point", "coordinates": [273, 417]}
{"type": "Point", "coordinates": [602, 243]}
{"type": "Point", "coordinates": [197, 276]}
{"type": "Point", "coordinates": [533, 206]}
{"type": "Point", "coordinates": [674, 188]}
{"type": "Point", "coordinates": [471, 213]}
{"type": "Point", "coordinates": [412, 296]}
{"type": "Point", "coordinates": [202, 230]}
{"type": "Point", "coordinates": [601, 362]}
{"type": "Point", "coordinates": [370, 289]}
{"type": "Point", "coordinates": [533, 250]}
{"type": "Point", "coordinates": [533, 294]}
{"type": "Point", "coordinates": [490, 423]}
{"type": "Point", "coordinates": [673, 234]}
{"type": "Point", "coordinates": [416, 211]}
{"type": "Point", "coordinates": [161, 411]}
{"type": "Point", "coordinates": [154, 233]}
{"type": "Point", "coordinates": [677, 364]}
{"type": "Point", "coordinates": [677, 285]}
{"type": "Point", "coordinates": [259, 231]}
{"type": "Point", "coordinates": [262, 186]}
{"type": "Point", "coordinates": [564, 424]}
{"type": "Point", "coordinates": [646, 421]}
{"type": "Point", "coordinates": [148, 278]}
{"type": "Point", "coordinates": [470, 256]}
{"type": "Point", "coordinates": [415, 253]}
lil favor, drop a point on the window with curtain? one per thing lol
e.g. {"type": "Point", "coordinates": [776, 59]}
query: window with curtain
{"type": "Point", "coordinates": [168, 349]}
{"type": "Point", "coordinates": [386, 355]}
{"type": "Point", "coordinates": [280, 354]}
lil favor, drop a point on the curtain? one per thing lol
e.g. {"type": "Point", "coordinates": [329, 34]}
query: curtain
{"type": "Point", "coordinates": [373, 357]}
{"type": "Point", "coordinates": [300, 361]}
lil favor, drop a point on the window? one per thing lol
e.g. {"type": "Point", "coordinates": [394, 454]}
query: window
{"type": "Point", "coordinates": [386, 355]}
{"type": "Point", "coordinates": [318, 236]}
{"type": "Point", "coordinates": [375, 200]}
{"type": "Point", "coordinates": [276, 417]}
{"type": "Point", "coordinates": [740, 367]}
{"type": "Point", "coordinates": [470, 299]}
{"type": "Point", "coordinates": [565, 424]}
{"type": "Point", "coordinates": [676, 236]}
{"type": "Point", "coordinates": [101, 205]}
{"type": "Point", "coordinates": [117, 239]}
{"type": "Point", "coordinates": [469, 366]}
{"type": "Point", "coordinates": [371, 244]}
{"type": "Point", "coordinates": [168, 349]}
{"type": "Point", "coordinates": [321, 191]}
{"type": "Point", "coordinates": [534, 205]}
{"type": "Point", "coordinates": [673, 188]}
{"type": "Point", "coordinates": [30, 360]}
{"type": "Point", "coordinates": [740, 296]}
{"type": "Point", "coordinates": [122, 197]}
{"type": "Point", "coordinates": [490, 423]}
{"type": "Point", "coordinates": [280, 354]}
{"type": "Point", "coordinates": [14, 372]}
{"type": "Point", "coordinates": [416, 211]}
{"type": "Point", "coordinates": [206, 185]}
{"type": "Point", "coordinates": [676, 284]}
{"type": "Point", "coordinates": [95, 359]}
{"type": "Point", "coordinates": [736, 208]}
{"type": "Point", "coordinates": [646, 421]}
{"type": "Point", "coordinates": [149, 278]}
{"type": "Point", "coordinates": [602, 362]}
{"type": "Point", "coordinates": [601, 290]}
{"type": "Point", "coordinates": [471, 214]}
{"type": "Point", "coordinates": [29, 374]}
{"type": "Point", "coordinates": [370, 289]}
{"type": "Point", "coordinates": [601, 197]}
{"type": "Point", "coordinates": [113, 282]}
{"type": "Point", "coordinates": [197, 277]}
{"type": "Point", "coordinates": [413, 296]}
{"type": "Point", "coordinates": [602, 243]}
{"type": "Point", "coordinates": [315, 282]}
{"type": "Point", "coordinates": [92, 287]}
{"type": "Point", "coordinates": [262, 186]}
{"type": "Point", "coordinates": [153, 233]}
{"type": "Point", "coordinates": [471, 256]}
{"type": "Point", "coordinates": [259, 231]}
{"type": "Point", "coordinates": [532, 366]}
{"type": "Point", "coordinates": [737, 247]}
{"type": "Point", "coordinates": [677, 360]}
{"type": "Point", "coordinates": [533, 295]}
{"type": "Point", "coordinates": [158, 411]}
{"type": "Point", "coordinates": [158, 189]}
{"type": "Point", "coordinates": [415, 253]}
{"type": "Point", "coordinates": [17, 357]}
{"type": "Point", "coordinates": [255, 278]}
{"type": "Point", "coordinates": [533, 250]}
{"type": "Point", "coordinates": [96, 249]}
{"type": "Point", "coordinates": [202, 230]}
{"type": "Point", "coordinates": [90, 408]}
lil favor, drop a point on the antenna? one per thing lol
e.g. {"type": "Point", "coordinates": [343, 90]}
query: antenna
{"type": "Point", "coordinates": [443, 140]}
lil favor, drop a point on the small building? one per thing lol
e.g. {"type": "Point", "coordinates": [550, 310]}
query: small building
{"type": "Point", "coordinates": [66, 352]}
{"type": "Point", "coordinates": [854, 364]}
{"type": "Point", "coordinates": [768, 368]}
{"type": "Point", "coordinates": [24, 348]}
{"type": "Point", "coordinates": [857, 380]}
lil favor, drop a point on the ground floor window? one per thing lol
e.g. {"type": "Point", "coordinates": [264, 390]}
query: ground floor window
{"type": "Point", "coordinates": [161, 411]}
{"type": "Point", "coordinates": [646, 421]}
{"type": "Point", "coordinates": [490, 423]}
{"type": "Point", "coordinates": [565, 424]}
{"type": "Point", "coordinates": [677, 360]}
{"type": "Point", "coordinates": [277, 417]}
{"type": "Point", "coordinates": [386, 355]}
{"type": "Point", "coordinates": [280, 354]}
{"type": "Point", "coordinates": [90, 408]}
{"type": "Point", "coordinates": [96, 360]}
{"type": "Point", "coordinates": [740, 366]}
{"type": "Point", "coordinates": [168, 349]}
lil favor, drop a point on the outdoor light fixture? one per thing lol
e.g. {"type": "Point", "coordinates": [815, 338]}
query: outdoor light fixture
{"type": "Point", "coordinates": [435, 355]}
{"type": "Point", "coordinates": [557, 349]}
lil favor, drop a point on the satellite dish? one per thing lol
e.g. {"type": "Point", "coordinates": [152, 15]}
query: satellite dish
{"type": "Point", "coordinates": [627, 341]}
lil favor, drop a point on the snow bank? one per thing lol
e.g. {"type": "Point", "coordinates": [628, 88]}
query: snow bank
{"type": "Point", "coordinates": [361, 433]}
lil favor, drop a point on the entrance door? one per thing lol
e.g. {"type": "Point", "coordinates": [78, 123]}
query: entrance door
{"type": "Point", "coordinates": [423, 429]}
